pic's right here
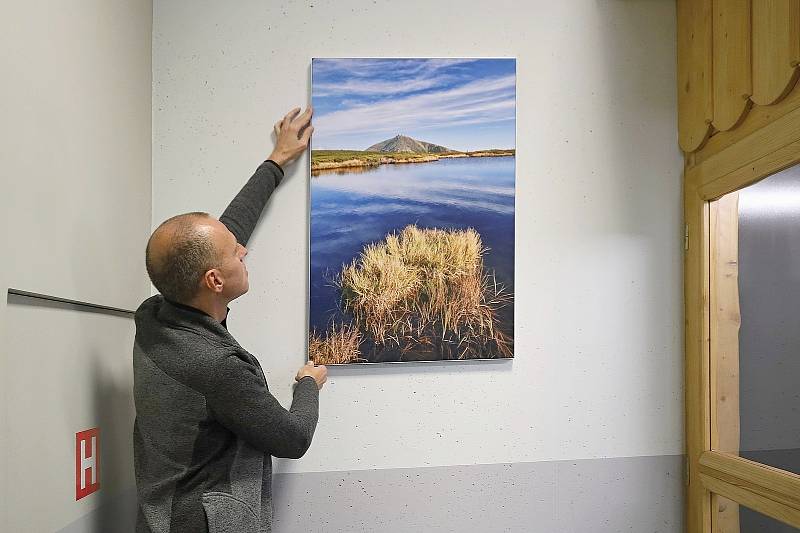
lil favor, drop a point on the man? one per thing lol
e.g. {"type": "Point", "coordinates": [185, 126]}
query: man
{"type": "Point", "coordinates": [206, 424]}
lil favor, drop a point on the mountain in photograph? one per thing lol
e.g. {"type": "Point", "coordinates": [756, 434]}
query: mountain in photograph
{"type": "Point", "coordinates": [403, 143]}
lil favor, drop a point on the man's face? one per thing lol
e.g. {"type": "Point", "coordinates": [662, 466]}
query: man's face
{"type": "Point", "coordinates": [231, 256]}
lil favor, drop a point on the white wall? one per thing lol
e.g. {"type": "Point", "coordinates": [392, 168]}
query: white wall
{"type": "Point", "coordinates": [598, 270]}
{"type": "Point", "coordinates": [75, 144]}
{"type": "Point", "coordinates": [76, 377]}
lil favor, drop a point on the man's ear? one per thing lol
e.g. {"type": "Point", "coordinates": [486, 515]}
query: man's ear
{"type": "Point", "coordinates": [212, 279]}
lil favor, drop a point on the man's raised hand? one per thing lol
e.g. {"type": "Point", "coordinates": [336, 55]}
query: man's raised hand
{"type": "Point", "coordinates": [292, 134]}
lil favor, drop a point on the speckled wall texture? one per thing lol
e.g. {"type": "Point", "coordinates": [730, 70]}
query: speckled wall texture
{"type": "Point", "coordinates": [597, 375]}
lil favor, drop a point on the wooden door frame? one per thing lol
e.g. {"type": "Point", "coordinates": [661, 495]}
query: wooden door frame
{"type": "Point", "coordinates": [766, 143]}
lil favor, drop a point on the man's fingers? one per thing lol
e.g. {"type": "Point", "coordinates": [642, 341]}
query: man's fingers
{"type": "Point", "coordinates": [278, 127]}
{"type": "Point", "coordinates": [305, 118]}
{"type": "Point", "coordinates": [307, 134]}
{"type": "Point", "coordinates": [291, 114]}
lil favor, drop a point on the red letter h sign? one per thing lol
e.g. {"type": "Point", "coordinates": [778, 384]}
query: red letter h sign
{"type": "Point", "coordinates": [87, 462]}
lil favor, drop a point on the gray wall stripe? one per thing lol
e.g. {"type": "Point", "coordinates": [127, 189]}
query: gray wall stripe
{"type": "Point", "coordinates": [638, 494]}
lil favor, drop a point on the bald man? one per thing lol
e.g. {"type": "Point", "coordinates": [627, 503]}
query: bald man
{"type": "Point", "coordinates": [206, 425]}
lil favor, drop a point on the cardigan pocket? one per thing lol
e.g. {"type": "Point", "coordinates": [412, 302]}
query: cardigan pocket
{"type": "Point", "coordinates": [227, 514]}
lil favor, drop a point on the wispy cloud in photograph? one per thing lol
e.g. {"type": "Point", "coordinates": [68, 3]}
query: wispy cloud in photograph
{"type": "Point", "coordinates": [465, 104]}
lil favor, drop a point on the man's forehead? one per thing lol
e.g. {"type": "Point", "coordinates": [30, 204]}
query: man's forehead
{"type": "Point", "coordinates": [223, 231]}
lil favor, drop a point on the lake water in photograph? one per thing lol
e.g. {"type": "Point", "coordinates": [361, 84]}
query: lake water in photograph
{"type": "Point", "coordinates": [351, 208]}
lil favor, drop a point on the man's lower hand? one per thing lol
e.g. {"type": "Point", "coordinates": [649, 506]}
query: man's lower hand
{"type": "Point", "coordinates": [292, 134]}
{"type": "Point", "coordinates": [319, 373]}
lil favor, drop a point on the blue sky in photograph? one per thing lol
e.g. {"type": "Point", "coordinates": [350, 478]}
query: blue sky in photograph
{"type": "Point", "coordinates": [463, 104]}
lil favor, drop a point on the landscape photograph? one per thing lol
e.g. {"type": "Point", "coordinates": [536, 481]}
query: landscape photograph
{"type": "Point", "coordinates": [412, 210]}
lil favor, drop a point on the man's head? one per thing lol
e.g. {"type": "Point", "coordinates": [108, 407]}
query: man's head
{"type": "Point", "coordinates": [194, 256]}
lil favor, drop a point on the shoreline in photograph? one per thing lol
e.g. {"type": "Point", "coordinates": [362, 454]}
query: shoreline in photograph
{"type": "Point", "coordinates": [336, 159]}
